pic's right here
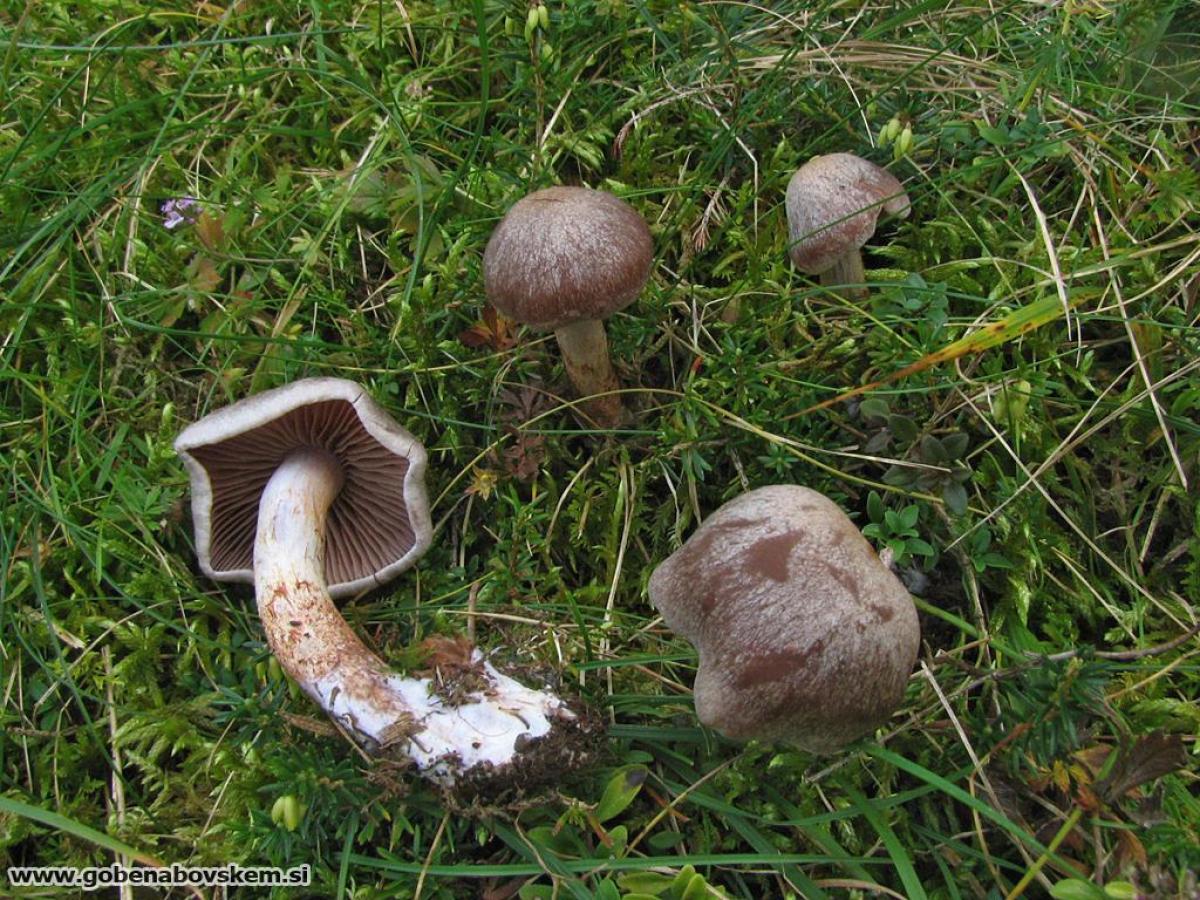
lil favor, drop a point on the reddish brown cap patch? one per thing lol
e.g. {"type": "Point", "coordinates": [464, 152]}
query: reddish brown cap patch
{"type": "Point", "coordinates": [804, 636]}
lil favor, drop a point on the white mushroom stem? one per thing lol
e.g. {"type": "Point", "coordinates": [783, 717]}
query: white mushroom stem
{"type": "Point", "coordinates": [319, 650]}
{"type": "Point", "coordinates": [306, 632]}
{"type": "Point", "coordinates": [584, 348]}
{"type": "Point", "coordinates": [847, 276]}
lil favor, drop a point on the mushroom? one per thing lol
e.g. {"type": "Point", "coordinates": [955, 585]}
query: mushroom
{"type": "Point", "coordinates": [803, 635]}
{"type": "Point", "coordinates": [833, 203]}
{"type": "Point", "coordinates": [312, 491]}
{"type": "Point", "coordinates": [564, 258]}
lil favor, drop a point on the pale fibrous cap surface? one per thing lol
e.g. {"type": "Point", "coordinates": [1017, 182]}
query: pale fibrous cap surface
{"type": "Point", "coordinates": [379, 523]}
{"type": "Point", "coordinates": [833, 204]}
{"type": "Point", "coordinates": [804, 636]}
{"type": "Point", "coordinates": [567, 254]}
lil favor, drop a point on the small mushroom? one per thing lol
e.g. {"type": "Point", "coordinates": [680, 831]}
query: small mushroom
{"type": "Point", "coordinates": [565, 258]}
{"type": "Point", "coordinates": [312, 491]}
{"type": "Point", "coordinates": [833, 203]}
{"type": "Point", "coordinates": [803, 635]}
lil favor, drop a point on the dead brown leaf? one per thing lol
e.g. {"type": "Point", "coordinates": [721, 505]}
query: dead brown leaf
{"type": "Point", "coordinates": [1151, 757]}
{"type": "Point", "coordinates": [493, 331]}
{"type": "Point", "coordinates": [202, 273]}
{"type": "Point", "coordinates": [210, 230]}
{"type": "Point", "coordinates": [1130, 851]}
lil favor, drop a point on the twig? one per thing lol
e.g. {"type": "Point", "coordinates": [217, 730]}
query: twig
{"type": "Point", "coordinates": [1140, 357]}
{"type": "Point", "coordinates": [1067, 827]}
{"type": "Point", "coordinates": [472, 609]}
{"type": "Point", "coordinates": [1055, 269]}
{"type": "Point", "coordinates": [437, 839]}
{"type": "Point", "coordinates": [1043, 659]}
{"type": "Point", "coordinates": [118, 789]}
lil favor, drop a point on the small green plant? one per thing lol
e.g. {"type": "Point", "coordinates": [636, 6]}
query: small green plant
{"type": "Point", "coordinates": [941, 468]}
{"type": "Point", "coordinates": [587, 831]}
{"type": "Point", "coordinates": [981, 556]}
{"type": "Point", "coordinates": [887, 426]}
{"type": "Point", "coordinates": [686, 884]}
{"type": "Point", "coordinates": [917, 303]}
{"type": "Point", "coordinates": [897, 530]}
{"type": "Point", "coordinates": [1078, 889]}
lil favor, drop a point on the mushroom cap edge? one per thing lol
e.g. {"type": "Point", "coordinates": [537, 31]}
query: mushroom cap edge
{"type": "Point", "coordinates": [256, 410]}
{"type": "Point", "coordinates": [833, 203]}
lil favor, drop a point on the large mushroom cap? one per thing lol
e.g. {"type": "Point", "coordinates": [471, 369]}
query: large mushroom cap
{"type": "Point", "coordinates": [379, 523]}
{"type": "Point", "coordinates": [803, 635]}
{"type": "Point", "coordinates": [565, 254]}
{"type": "Point", "coordinates": [833, 204]}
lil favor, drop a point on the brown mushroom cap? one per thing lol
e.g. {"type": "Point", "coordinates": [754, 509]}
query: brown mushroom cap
{"type": "Point", "coordinates": [803, 635]}
{"type": "Point", "coordinates": [833, 203]}
{"type": "Point", "coordinates": [379, 523]}
{"type": "Point", "coordinates": [565, 254]}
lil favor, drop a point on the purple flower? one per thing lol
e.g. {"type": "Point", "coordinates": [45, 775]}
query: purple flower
{"type": "Point", "coordinates": [175, 212]}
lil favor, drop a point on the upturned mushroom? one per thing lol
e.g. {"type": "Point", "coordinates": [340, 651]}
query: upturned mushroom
{"type": "Point", "coordinates": [803, 635]}
{"type": "Point", "coordinates": [312, 491]}
{"type": "Point", "coordinates": [833, 204]}
{"type": "Point", "coordinates": [565, 258]}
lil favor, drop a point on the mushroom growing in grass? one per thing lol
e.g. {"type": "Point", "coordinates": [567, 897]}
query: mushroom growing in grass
{"type": "Point", "coordinates": [804, 636]}
{"type": "Point", "coordinates": [566, 258]}
{"type": "Point", "coordinates": [312, 491]}
{"type": "Point", "coordinates": [833, 204]}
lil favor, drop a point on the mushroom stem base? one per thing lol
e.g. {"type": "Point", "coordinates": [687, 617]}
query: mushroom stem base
{"type": "Point", "coordinates": [584, 348]}
{"type": "Point", "coordinates": [847, 277]}
{"type": "Point", "coordinates": [491, 725]}
{"type": "Point", "coordinates": [487, 729]}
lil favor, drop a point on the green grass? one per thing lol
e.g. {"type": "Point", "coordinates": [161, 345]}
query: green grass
{"type": "Point", "coordinates": [351, 160]}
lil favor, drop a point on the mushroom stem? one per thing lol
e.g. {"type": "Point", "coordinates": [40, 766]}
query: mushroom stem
{"type": "Point", "coordinates": [584, 348]}
{"type": "Point", "coordinates": [493, 722]}
{"type": "Point", "coordinates": [847, 277]}
{"type": "Point", "coordinates": [305, 631]}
